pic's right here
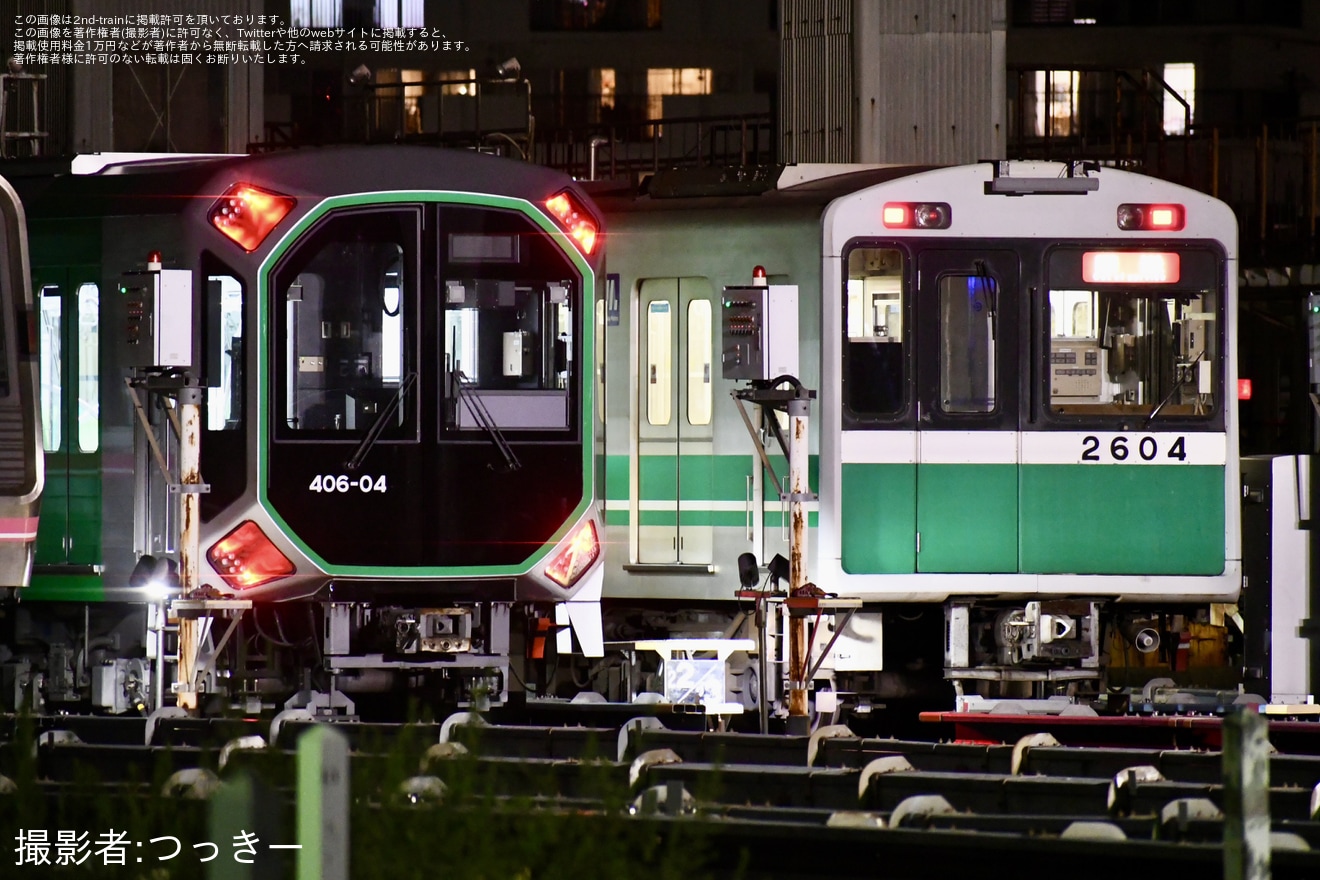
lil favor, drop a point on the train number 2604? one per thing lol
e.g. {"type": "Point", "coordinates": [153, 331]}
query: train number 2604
{"type": "Point", "coordinates": [1121, 448]}
{"type": "Point", "coordinates": [343, 483]}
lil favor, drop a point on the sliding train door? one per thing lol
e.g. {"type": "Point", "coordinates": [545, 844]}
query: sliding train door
{"type": "Point", "coordinates": [68, 297]}
{"type": "Point", "coordinates": [674, 463]}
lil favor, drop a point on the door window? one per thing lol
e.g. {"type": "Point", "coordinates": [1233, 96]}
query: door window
{"type": "Point", "coordinates": [344, 311]}
{"type": "Point", "coordinates": [967, 343]}
{"type": "Point", "coordinates": [659, 339]}
{"type": "Point", "coordinates": [699, 347]}
{"type": "Point", "coordinates": [52, 382]}
{"type": "Point", "coordinates": [88, 425]}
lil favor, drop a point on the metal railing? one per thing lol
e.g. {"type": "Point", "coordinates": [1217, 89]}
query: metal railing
{"type": "Point", "coordinates": [629, 150]}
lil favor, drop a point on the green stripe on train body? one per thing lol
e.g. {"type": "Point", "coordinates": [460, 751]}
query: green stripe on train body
{"type": "Point", "coordinates": [1062, 519]}
{"type": "Point", "coordinates": [1156, 520]}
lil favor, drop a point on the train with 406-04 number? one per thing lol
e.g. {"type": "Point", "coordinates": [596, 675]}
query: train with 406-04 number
{"type": "Point", "coordinates": [340, 398]}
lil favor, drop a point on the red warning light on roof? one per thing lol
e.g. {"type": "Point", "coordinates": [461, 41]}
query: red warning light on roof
{"type": "Point", "coordinates": [758, 277]}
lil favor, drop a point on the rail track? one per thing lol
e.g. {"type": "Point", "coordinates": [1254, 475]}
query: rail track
{"type": "Point", "coordinates": [751, 805]}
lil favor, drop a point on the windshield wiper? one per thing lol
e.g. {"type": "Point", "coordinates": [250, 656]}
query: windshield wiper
{"type": "Point", "coordinates": [1186, 380]}
{"type": "Point", "coordinates": [477, 409]}
{"type": "Point", "coordinates": [360, 454]}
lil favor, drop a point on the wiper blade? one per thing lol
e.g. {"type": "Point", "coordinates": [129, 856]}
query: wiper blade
{"type": "Point", "coordinates": [1186, 380]}
{"type": "Point", "coordinates": [477, 409]}
{"type": "Point", "coordinates": [360, 454]}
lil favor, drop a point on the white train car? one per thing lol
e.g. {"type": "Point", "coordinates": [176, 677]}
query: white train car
{"type": "Point", "coordinates": [1024, 436]}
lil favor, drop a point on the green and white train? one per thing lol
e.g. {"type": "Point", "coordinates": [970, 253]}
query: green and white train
{"type": "Point", "coordinates": [1023, 443]}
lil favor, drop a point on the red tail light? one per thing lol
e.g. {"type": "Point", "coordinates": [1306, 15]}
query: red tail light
{"type": "Point", "coordinates": [247, 214]}
{"type": "Point", "coordinates": [1151, 217]}
{"type": "Point", "coordinates": [580, 551]}
{"type": "Point", "coordinates": [246, 558]}
{"type": "Point", "coordinates": [574, 218]}
{"type": "Point", "coordinates": [916, 215]}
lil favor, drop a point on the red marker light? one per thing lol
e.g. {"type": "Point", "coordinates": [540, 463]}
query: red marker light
{"type": "Point", "coordinates": [1244, 389]}
{"type": "Point", "coordinates": [247, 214]}
{"type": "Point", "coordinates": [1135, 217]}
{"type": "Point", "coordinates": [571, 215]}
{"type": "Point", "coordinates": [916, 215]}
{"type": "Point", "coordinates": [1162, 218]}
{"type": "Point", "coordinates": [895, 216]}
{"type": "Point", "coordinates": [577, 555]}
{"type": "Point", "coordinates": [247, 558]}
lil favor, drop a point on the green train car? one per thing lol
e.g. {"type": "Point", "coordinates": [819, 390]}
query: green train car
{"type": "Point", "coordinates": [21, 466]}
{"type": "Point", "coordinates": [1023, 441]}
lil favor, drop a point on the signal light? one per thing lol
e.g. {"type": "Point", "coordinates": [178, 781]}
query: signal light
{"type": "Point", "coordinates": [1244, 389]}
{"type": "Point", "coordinates": [580, 225]}
{"type": "Point", "coordinates": [247, 214]}
{"type": "Point", "coordinates": [759, 278]}
{"type": "Point", "coordinates": [580, 551]}
{"type": "Point", "coordinates": [1151, 218]}
{"type": "Point", "coordinates": [246, 558]}
{"type": "Point", "coordinates": [916, 215]}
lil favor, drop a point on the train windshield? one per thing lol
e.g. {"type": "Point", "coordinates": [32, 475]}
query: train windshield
{"type": "Point", "coordinates": [507, 325]}
{"type": "Point", "coordinates": [347, 299]}
{"type": "Point", "coordinates": [1133, 344]}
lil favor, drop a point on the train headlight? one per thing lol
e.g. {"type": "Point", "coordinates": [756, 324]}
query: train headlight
{"type": "Point", "coordinates": [579, 224]}
{"type": "Point", "coordinates": [247, 214]}
{"type": "Point", "coordinates": [580, 551]}
{"type": "Point", "coordinates": [246, 558]}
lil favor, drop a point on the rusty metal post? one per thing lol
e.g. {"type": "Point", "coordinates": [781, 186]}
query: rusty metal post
{"type": "Point", "coordinates": [190, 484]}
{"type": "Point", "coordinates": [799, 492]}
{"type": "Point", "coordinates": [1246, 768]}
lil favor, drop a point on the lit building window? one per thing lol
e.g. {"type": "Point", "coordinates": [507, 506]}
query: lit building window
{"type": "Point", "coordinates": [458, 82]}
{"type": "Point", "coordinates": [1056, 102]}
{"type": "Point", "coordinates": [661, 81]}
{"type": "Point", "coordinates": [399, 13]}
{"type": "Point", "coordinates": [595, 15]}
{"type": "Point", "coordinates": [605, 86]}
{"type": "Point", "coordinates": [1182, 79]}
{"type": "Point", "coordinates": [316, 13]}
